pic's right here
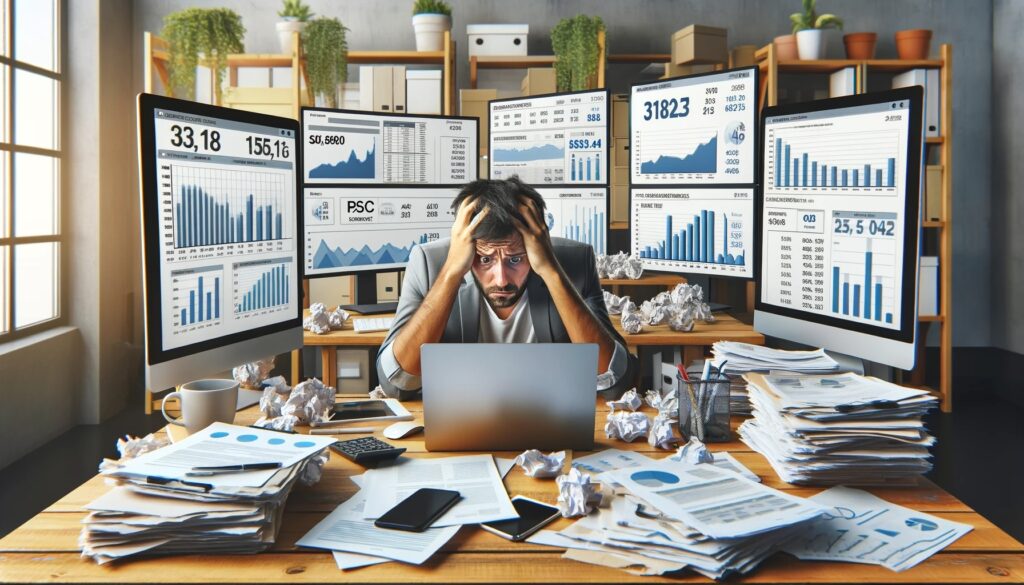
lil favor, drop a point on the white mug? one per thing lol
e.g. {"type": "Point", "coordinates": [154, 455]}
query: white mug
{"type": "Point", "coordinates": [204, 402]}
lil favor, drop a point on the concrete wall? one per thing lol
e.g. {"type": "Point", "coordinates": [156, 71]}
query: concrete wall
{"type": "Point", "coordinates": [1007, 177]}
{"type": "Point", "coordinates": [637, 26]}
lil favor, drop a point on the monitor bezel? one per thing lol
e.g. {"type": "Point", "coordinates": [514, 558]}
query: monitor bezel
{"type": "Point", "coordinates": [911, 238]}
{"type": "Point", "coordinates": [150, 220]}
{"type": "Point", "coordinates": [723, 186]}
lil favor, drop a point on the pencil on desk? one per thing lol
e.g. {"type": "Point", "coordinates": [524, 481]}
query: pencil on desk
{"type": "Point", "coordinates": [346, 431]}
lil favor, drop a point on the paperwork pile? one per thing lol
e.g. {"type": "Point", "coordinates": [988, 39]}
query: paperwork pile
{"type": "Point", "coordinates": [157, 508]}
{"type": "Point", "coordinates": [671, 515]}
{"type": "Point", "coordinates": [842, 428]}
{"type": "Point", "coordinates": [742, 358]}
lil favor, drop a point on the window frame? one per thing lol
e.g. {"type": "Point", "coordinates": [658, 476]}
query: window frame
{"type": "Point", "coordinates": [9, 241]}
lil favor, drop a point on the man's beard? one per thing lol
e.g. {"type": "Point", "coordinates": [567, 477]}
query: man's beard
{"type": "Point", "coordinates": [503, 301]}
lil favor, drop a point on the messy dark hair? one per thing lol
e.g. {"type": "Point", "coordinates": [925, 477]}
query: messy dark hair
{"type": "Point", "coordinates": [501, 196]}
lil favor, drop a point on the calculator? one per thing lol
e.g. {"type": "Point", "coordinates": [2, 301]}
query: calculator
{"type": "Point", "coordinates": [366, 450]}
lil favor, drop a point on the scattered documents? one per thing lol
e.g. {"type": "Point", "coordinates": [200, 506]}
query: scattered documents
{"type": "Point", "coordinates": [861, 528]}
{"type": "Point", "coordinates": [346, 531]}
{"type": "Point", "coordinates": [475, 477]}
{"type": "Point", "coordinates": [839, 429]}
{"type": "Point", "coordinates": [736, 359]}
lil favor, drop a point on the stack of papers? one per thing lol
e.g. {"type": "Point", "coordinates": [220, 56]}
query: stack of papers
{"type": "Point", "coordinates": [157, 508]}
{"type": "Point", "coordinates": [743, 358]}
{"type": "Point", "coordinates": [841, 428]}
{"type": "Point", "coordinates": [672, 515]}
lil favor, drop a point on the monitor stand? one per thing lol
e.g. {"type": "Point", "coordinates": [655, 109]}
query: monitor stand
{"type": "Point", "coordinates": [847, 363]}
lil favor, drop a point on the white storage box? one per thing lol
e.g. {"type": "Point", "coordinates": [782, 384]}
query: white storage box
{"type": "Point", "coordinates": [503, 40]}
{"type": "Point", "coordinates": [423, 91]}
{"type": "Point", "coordinates": [928, 287]}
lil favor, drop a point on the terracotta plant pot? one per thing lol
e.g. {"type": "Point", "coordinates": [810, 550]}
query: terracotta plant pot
{"type": "Point", "coordinates": [860, 45]}
{"type": "Point", "coordinates": [785, 48]}
{"type": "Point", "coordinates": [913, 43]}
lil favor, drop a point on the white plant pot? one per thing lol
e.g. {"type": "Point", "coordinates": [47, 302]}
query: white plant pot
{"type": "Point", "coordinates": [430, 30]}
{"type": "Point", "coordinates": [285, 29]}
{"type": "Point", "coordinates": [810, 44]}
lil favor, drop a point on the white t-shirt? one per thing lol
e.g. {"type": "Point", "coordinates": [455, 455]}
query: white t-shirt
{"type": "Point", "coordinates": [518, 328]}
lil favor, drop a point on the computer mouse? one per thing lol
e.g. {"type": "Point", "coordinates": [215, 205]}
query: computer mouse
{"type": "Point", "coordinates": [403, 429]}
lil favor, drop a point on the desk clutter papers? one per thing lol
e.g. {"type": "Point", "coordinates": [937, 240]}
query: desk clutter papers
{"type": "Point", "coordinates": [861, 528]}
{"type": "Point", "coordinates": [672, 515]}
{"type": "Point", "coordinates": [839, 429]}
{"type": "Point", "coordinates": [155, 509]}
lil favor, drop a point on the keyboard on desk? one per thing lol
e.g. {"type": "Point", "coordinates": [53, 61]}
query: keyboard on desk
{"type": "Point", "coordinates": [370, 324]}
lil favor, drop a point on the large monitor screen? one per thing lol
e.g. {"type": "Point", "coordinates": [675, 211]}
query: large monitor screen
{"type": "Point", "coordinates": [366, 148]}
{"type": "Point", "coordinates": [221, 230]}
{"type": "Point", "coordinates": [694, 230]}
{"type": "Point", "coordinates": [839, 222]}
{"type": "Point", "coordinates": [695, 130]}
{"type": "Point", "coordinates": [578, 213]}
{"type": "Point", "coordinates": [549, 140]}
{"type": "Point", "coordinates": [359, 229]}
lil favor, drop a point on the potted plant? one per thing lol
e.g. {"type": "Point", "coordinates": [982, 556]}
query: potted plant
{"type": "Point", "coordinates": [785, 47]}
{"type": "Point", "coordinates": [294, 15]}
{"type": "Point", "coordinates": [913, 43]}
{"type": "Point", "coordinates": [860, 45]}
{"type": "Point", "coordinates": [326, 49]}
{"type": "Point", "coordinates": [574, 41]}
{"type": "Point", "coordinates": [809, 29]}
{"type": "Point", "coordinates": [430, 20]}
{"type": "Point", "coordinates": [212, 32]}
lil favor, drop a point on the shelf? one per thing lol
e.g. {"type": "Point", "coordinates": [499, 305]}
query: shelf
{"type": "Point", "coordinates": [934, 140]}
{"type": "Point", "coordinates": [931, 318]}
{"type": "Point", "coordinates": [640, 58]}
{"type": "Point", "coordinates": [646, 280]}
{"type": "Point", "coordinates": [901, 65]}
{"type": "Point", "coordinates": [817, 66]}
{"type": "Point", "coordinates": [392, 57]}
{"type": "Point", "coordinates": [933, 223]}
{"type": "Point", "coordinates": [491, 62]}
{"type": "Point", "coordinates": [618, 225]}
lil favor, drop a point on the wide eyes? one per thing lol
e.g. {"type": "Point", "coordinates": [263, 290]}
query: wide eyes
{"type": "Point", "coordinates": [488, 260]}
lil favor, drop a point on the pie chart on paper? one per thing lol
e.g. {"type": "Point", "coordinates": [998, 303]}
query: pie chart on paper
{"type": "Point", "coordinates": [921, 524]}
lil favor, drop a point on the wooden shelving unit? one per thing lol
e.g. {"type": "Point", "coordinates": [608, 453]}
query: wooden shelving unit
{"type": "Point", "coordinates": [771, 68]}
{"type": "Point", "coordinates": [445, 58]}
{"type": "Point", "coordinates": [476, 63]}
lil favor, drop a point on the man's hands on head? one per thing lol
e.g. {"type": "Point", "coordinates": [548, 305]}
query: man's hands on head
{"type": "Point", "coordinates": [462, 250]}
{"type": "Point", "coordinates": [537, 240]}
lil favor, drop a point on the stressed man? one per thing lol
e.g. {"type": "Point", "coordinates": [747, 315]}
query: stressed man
{"type": "Point", "coordinates": [500, 278]}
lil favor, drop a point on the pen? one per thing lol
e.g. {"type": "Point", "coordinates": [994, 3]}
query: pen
{"type": "Point", "coordinates": [217, 469]}
{"type": "Point", "coordinates": [348, 431]}
{"type": "Point", "coordinates": [165, 480]}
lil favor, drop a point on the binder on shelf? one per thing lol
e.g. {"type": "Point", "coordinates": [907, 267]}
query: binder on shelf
{"type": "Point", "coordinates": [929, 80]}
{"type": "Point", "coordinates": [375, 83]}
{"type": "Point", "coordinates": [398, 89]}
{"type": "Point", "coordinates": [928, 287]}
{"type": "Point", "coordinates": [843, 82]}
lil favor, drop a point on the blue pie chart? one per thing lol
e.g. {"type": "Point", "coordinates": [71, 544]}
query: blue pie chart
{"type": "Point", "coordinates": [922, 524]}
{"type": "Point", "coordinates": [654, 479]}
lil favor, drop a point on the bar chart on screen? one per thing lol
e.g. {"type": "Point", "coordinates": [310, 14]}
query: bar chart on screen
{"type": "Point", "coordinates": [861, 162]}
{"type": "Point", "coordinates": [196, 298]}
{"type": "Point", "coordinates": [864, 267]}
{"type": "Point", "coordinates": [578, 214]}
{"type": "Point", "coordinates": [261, 287]}
{"type": "Point", "coordinates": [694, 230]}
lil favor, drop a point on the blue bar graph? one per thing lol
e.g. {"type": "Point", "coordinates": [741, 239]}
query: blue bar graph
{"type": "Point", "coordinates": [585, 167]}
{"type": "Point", "coordinates": [800, 169]}
{"type": "Point", "coordinates": [196, 296]}
{"type": "Point", "coordinates": [266, 286]}
{"type": "Point", "coordinates": [696, 242]}
{"type": "Point", "coordinates": [871, 289]}
{"type": "Point", "coordinates": [586, 225]}
{"type": "Point", "coordinates": [199, 220]}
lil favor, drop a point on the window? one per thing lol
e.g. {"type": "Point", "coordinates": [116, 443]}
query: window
{"type": "Point", "coordinates": [30, 166]}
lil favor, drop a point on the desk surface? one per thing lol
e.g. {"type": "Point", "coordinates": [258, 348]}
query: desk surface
{"type": "Point", "coordinates": [45, 548]}
{"type": "Point", "coordinates": [726, 327]}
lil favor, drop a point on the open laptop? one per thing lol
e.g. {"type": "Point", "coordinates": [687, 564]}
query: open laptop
{"type": "Point", "coordinates": [509, 396]}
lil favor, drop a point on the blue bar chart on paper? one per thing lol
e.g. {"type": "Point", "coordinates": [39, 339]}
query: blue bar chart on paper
{"type": "Point", "coordinates": [861, 162]}
{"type": "Point", "coordinates": [218, 207]}
{"type": "Point", "coordinates": [864, 267]}
{"type": "Point", "coordinates": [694, 230]}
{"type": "Point", "coordinates": [578, 214]}
{"type": "Point", "coordinates": [196, 298]}
{"type": "Point", "coordinates": [262, 286]}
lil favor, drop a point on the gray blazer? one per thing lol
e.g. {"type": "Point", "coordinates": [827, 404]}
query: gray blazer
{"type": "Point", "coordinates": [426, 260]}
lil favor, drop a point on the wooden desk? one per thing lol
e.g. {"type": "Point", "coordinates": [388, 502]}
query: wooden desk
{"type": "Point", "coordinates": [693, 343]}
{"type": "Point", "coordinates": [45, 548]}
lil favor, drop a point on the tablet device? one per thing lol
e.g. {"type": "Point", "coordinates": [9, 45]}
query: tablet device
{"type": "Point", "coordinates": [372, 410]}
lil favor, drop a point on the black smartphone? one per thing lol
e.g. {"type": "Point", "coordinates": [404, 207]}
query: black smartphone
{"type": "Point", "coordinates": [421, 509]}
{"type": "Point", "coordinates": [533, 516]}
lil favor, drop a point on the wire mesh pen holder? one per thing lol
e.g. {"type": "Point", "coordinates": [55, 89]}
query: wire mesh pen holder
{"type": "Point", "coordinates": [704, 409]}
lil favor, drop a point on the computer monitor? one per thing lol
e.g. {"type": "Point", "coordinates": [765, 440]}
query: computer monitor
{"type": "Point", "coordinates": [839, 224]}
{"type": "Point", "coordinates": [558, 143]}
{"type": "Point", "coordinates": [375, 185]}
{"type": "Point", "coordinates": [692, 173]}
{"type": "Point", "coordinates": [220, 237]}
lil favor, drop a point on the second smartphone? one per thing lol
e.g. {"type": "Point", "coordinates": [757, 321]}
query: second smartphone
{"type": "Point", "coordinates": [533, 516]}
{"type": "Point", "coordinates": [421, 509]}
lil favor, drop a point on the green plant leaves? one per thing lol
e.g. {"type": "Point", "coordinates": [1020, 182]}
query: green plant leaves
{"type": "Point", "coordinates": [574, 41]}
{"type": "Point", "coordinates": [431, 7]}
{"type": "Point", "coordinates": [214, 32]}
{"type": "Point", "coordinates": [326, 48]}
{"type": "Point", "coordinates": [809, 18]}
{"type": "Point", "coordinates": [297, 10]}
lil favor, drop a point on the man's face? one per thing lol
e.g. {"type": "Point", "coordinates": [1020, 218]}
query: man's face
{"type": "Point", "coordinates": [501, 268]}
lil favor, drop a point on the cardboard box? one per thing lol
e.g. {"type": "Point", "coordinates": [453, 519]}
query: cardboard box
{"type": "Point", "coordinates": [620, 203]}
{"type": "Point", "coordinates": [423, 91]}
{"type": "Point", "coordinates": [620, 115]}
{"type": "Point", "coordinates": [507, 40]}
{"type": "Point", "coordinates": [387, 287]}
{"type": "Point", "coordinates": [333, 291]}
{"type": "Point", "coordinates": [933, 192]}
{"type": "Point", "coordinates": [621, 158]}
{"type": "Point", "coordinates": [275, 101]}
{"type": "Point", "coordinates": [928, 286]}
{"type": "Point", "coordinates": [353, 371]}
{"type": "Point", "coordinates": [538, 81]}
{"type": "Point", "coordinates": [484, 166]}
{"type": "Point", "coordinates": [398, 89]}
{"type": "Point", "coordinates": [673, 70]}
{"type": "Point", "coordinates": [473, 103]}
{"type": "Point", "coordinates": [700, 44]}
{"type": "Point", "coordinates": [742, 56]}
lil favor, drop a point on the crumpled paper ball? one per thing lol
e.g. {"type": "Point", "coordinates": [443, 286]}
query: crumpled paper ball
{"type": "Point", "coordinates": [314, 468]}
{"type": "Point", "coordinates": [632, 319]}
{"type": "Point", "coordinates": [577, 495]}
{"type": "Point", "coordinates": [667, 404]}
{"type": "Point", "coordinates": [131, 447]}
{"type": "Point", "coordinates": [627, 426]}
{"type": "Point", "coordinates": [620, 265]}
{"type": "Point", "coordinates": [321, 321]}
{"type": "Point", "coordinates": [654, 314]}
{"type": "Point", "coordinates": [274, 397]}
{"type": "Point", "coordinates": [693, 452]}
{"type": "Point", "coordinates": [630, 400]}
{"type": "Point", "coordinates": [661, 434]}
{"type": "Point", "coordinates": [336, 318]}
{"type": "Point", "coordinates": [254, 373]}
{"type": "Point", "coordinates": [309, 402]}
{"type": "Point", "coordinates": [615, 304]}
{"type": "Point", "coordinates": [539, 465]}
{"type": "Point", "coordinates": [378, 394]}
